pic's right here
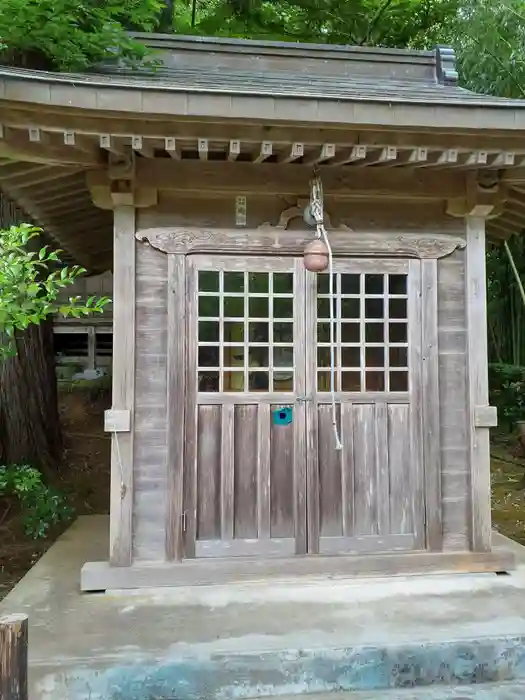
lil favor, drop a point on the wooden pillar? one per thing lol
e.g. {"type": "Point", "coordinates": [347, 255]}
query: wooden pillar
{"type": "Point", "coordinates": [13, 657]}
{"type": "Point", "coordinates": [477, 391]}
{"type": "Point", "coordinates": [119, 421]}
{"type": "Point", "coordinates": [175, 520]}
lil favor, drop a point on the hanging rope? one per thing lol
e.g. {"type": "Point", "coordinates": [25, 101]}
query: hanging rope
{"type": "Point", "coordinates": [317, 212]}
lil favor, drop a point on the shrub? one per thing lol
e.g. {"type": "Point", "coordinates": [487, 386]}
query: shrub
{"type": "Point", "coordinates": [42, 506]}
{"type": "Point", "coordinates": [507, 393]}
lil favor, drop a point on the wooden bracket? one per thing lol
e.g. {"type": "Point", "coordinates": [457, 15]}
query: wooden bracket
{"type": "Point", "coordinates": [485, 197]}
{"type": "Point", "coordinates": [485, 417]}
{"type": "Point", "coordinates": [117, 421]}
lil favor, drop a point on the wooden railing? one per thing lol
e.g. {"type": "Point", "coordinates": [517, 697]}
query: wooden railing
{"type": "Point", "coordinates": [13, 657]}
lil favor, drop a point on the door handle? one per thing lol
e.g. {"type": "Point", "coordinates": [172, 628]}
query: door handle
{"type": "Point", "coordinates": [303, 399]}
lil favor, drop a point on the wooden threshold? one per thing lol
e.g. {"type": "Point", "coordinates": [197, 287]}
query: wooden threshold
{"type": "Point", "coordinates": [100, 576]}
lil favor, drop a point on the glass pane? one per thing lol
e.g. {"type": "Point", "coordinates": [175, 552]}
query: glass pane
{"type": "Point", "coordinates": [208, 356]}
{"type": "Point", "coordinates": [397, 308]}
{"type": "Point", "coordinates": [350, 333]}
{"type": "Point", "coordinates": [323, 332]}
{"type": "Point", "coordinates": [374, 357]}
{"type": "Point", "coordinates": [351, 381]}
{"type": "Point", "coordinates": [283, 308]}
{"type": "Point", "coordinates": [323, 381]}
{"type": "Point", "coordinates": [282, 332]}
{"type": "Point", "coordinates": [375, 381]}
{"type": "Point", "coordinates": [258, 331]}
{"type": "Point", "coordinates": [209, 331]}
{"type": "Point", "coordinates": [233, 356]}
{"type": "Point", "coordinates": [208, 281]}
{"type": "Point", "coordinates": [350, 284]}
{"type": "Point", "coordinates": [323, 357]}
{"type": "Point", "coordinates": [234, 381]}
{"type": "Point", "coordinates": [350, 308]}
{"type": "Point", "coordinates": [323, 283]}
{"type": "Point", "coordinates": [208, 381]}
{"type": "Point", "coordinates": [351, 357]}
{"type": "Point", "coordinates": [398, 381]}
{"type": "Point", "coordinates": [258, 357]}
{"type": "Point", "coordinates": [374, 284]}
{"type": "Point", "coordinates": [282, 283]}
{"type": "Point", "coordinates": [397, 284]}
{"type": "Point", "coordinates": [323, 308]}
{"type": "Point", "coordinates": [258, 307]}
{"type": "Point", "coordinates": [234, 282]}
{"type": "Point", "coordinates": [234, 307]}
{"type": "Point", "coordinates": [374, 308]}
{"type": "Point", "coordinates": [258, 381]}
{"type": "Point", "coordinates": [258, 283]}
{"type": "Point", "coordinates": [209, 306]}
{"type": "Point", "coordinates": [233, 332]}
{"type": "Point", "coordinates": [397, 332]}
{"type": "Point", "coordinates": [374, 333]}
{"type": "Point", "coordinates": [283, 381]}
{"type": "Point", "coordinates": [398, 357]}
{"type": "Point", "coordinates": [283, 357]}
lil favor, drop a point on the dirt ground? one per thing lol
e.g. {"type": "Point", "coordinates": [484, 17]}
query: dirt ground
{"type": "Point", "coordinates": [85, 478]}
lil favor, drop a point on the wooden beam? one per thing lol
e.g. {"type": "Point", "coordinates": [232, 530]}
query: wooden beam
{"type": "Point", "coordinates": [296, 151]}
{"type": "Point", "coordinates": [138, 144]}
{"type": "Point", "coordinates": [172, 148]}
{"type": "Point", "coordinates": [234, 150]}
{"type": "Point", "coordinates": [357, 153]}
{"type": "Point", "coordinates": [342, 135]}
{"type": "Point", "coordinates": [36, 152]}
{"type": "Point", "coordinates": [97, 576]}
{"type": "Point", "coordinates": [265, 152]}
{"type": "Point", "coordinates": [327, 152]}
{"type": "Point", "coordinates": [290, 179]}
{"type": "Point", "coordinates": [177, 306]}
{"type": "Point", "coordinates": [430, 401]}
{"type": "Point", "coordinates": [202, 147]}
{"type": "Point", "coordinates": [477, 358]}
{"type": "Point", "coordinates": [121, 500]}
{"type": "Point", "coordinates": [13, 657]}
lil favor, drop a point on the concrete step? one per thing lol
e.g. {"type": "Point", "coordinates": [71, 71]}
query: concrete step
{"type": "Point", "coordinates": [482, 691]}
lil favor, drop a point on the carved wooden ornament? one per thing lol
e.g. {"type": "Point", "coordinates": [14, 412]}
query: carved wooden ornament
{"type": "Point", "coordinates": [278, 239]}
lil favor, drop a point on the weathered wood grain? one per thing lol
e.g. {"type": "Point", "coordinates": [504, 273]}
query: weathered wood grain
{"type": "Point", "coordinates": [416, 400]}
{"type": "Point", "coordinates": [478, 383]}
{"type": "Point", "coordinates": [123, 390]}
{"type": "Point", "coordinates": [176, 401]}
{"type": "Point", "coordinates": [272, 240]}
{"type": "Point", "coordinates": [227, 471]}
{"type": "Point", "coordinates": [13, 657]}
{"type": "Point", "coordinates": [430, 396]}
{"type": "Point", "coordinates": [99, 576]}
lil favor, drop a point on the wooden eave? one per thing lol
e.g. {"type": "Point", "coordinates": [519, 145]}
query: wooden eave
{"type": "Point", "coordinates": [242, 117]}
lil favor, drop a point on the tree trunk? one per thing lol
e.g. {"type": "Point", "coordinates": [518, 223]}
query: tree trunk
{"type": "Point", "coordinates": [29, 417]}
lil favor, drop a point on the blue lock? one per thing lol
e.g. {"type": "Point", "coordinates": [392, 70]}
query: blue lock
{"type": "Point", "coordinates": [282, 416]}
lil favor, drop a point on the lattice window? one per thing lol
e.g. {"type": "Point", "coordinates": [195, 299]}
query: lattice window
{"type": "Point", "coordinates": [245, 329]}
{"type": "Point", "coordinates": [371, 332]}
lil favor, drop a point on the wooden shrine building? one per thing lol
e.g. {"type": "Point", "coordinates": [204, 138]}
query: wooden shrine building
{"type": "Point", "coordinates": [192, 184]}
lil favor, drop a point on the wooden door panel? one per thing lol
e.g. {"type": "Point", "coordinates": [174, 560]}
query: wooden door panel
{"type": "Point", "coordinates": [246, 319]}
{"type": "Point", "coordinates": [368, 493]}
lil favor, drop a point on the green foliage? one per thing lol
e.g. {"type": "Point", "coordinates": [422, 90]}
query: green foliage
{"type": "Point", "coordinates": [29, 288]}
{"type": "Point", "coordinates": [394, 23]}
{"type": "Point", "coordinates": [71, 35]}
{"type": "Point", "coordinates": [507, 393]}
{"type": "Point", "coordinates": [489, 36]}
{"type": "Point", "coordinates": [42, 506]}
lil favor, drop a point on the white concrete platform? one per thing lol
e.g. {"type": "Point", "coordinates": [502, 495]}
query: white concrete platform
{"type": "Point", "coordinates": [259, 639]}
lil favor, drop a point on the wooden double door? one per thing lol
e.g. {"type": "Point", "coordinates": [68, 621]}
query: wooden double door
{"type": "Point", "coordinates": [262, 473]}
